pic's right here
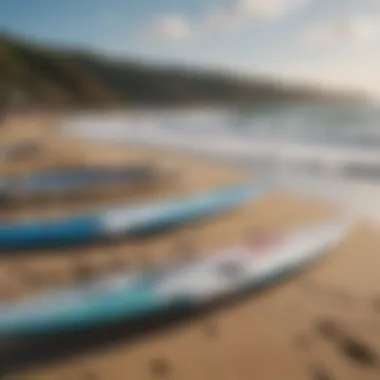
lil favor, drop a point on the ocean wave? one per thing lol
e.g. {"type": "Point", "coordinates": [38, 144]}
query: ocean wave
{"type": "Point", "coordinates": [338, 164]}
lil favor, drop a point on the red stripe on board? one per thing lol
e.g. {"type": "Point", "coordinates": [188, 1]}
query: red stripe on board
{"type": "Point", "coordinates": [262, 244]}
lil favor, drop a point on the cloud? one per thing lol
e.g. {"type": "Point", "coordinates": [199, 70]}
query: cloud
{"type": "Point", "coordinates": [266, 9]}
{"type": "Point", "coordinates": [349, 30]}
{"type": "Point", "coordinates": [239, 12]}
{"type": "Point", "coordinates": [244, 11]}
{"type": "Point", "coordinates": [169, 28]}
{"type": "Point", "coordinates": [360, 72]}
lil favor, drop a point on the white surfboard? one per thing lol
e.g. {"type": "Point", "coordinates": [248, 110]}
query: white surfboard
{"type": "Point", "coordinates": [251, 265]}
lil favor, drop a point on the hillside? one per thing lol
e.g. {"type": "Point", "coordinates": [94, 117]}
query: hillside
{"type": "Point", "coordinates": [70, 78]}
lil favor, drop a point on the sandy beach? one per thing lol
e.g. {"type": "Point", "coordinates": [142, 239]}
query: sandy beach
{"type": "Point", "coordinates": [321, 325]}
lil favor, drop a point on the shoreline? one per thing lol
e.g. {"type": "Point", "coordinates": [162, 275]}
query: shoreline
{"type": "Point", "coordinates": [325, 160]}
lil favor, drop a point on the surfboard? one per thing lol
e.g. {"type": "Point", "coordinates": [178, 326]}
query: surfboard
{"type": "Point", "coordinates": [251, 265]}
{"type": "Point", "coordinates": [69, 181]}
{"type": "Point", "coordinates": [127, 219]}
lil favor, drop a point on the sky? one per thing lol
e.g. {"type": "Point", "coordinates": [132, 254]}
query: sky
{"type": "Point", "coordinates": [334, 43]}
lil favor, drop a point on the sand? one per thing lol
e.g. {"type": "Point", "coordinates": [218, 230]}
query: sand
{"type": "Point", "coordinates": [323, 324]}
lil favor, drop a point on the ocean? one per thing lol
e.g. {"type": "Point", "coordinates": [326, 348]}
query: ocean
{"type": "Point", "coordinates": [325, 152]}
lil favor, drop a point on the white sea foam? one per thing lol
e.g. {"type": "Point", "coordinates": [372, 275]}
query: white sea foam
{"type": "Point", "coordinates": [303, 156]}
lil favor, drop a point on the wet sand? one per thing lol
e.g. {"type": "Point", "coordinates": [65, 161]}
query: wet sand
{"type": "Point", "coordinates": [323, 324]}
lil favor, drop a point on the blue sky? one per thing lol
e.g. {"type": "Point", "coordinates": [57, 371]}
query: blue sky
{"type": "Point", "coordinates": [331, 42]}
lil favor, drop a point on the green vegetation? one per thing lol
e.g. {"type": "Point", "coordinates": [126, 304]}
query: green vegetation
{"type": "Point", "coordinates": [70, 78]}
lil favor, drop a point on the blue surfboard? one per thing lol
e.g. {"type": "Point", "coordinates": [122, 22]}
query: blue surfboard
{"type": "Point", "coordinates": [126, 219]}
{"type": "Point", "coordinates": [67, 181]}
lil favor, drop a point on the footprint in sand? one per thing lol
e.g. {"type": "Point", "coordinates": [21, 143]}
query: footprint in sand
{"type": "Point", "coordinates": [328, 329]}
{"type": "Point", "coordinates": [354, 351]}
{"type": "Point", "coordinates": [160, 367]}
{"type": "Point", "coordinates": [90, 376]}
{"type": "Point", "coordinates": [320, 373]}
{"type": "Point", "coordinates": [358, 352]}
